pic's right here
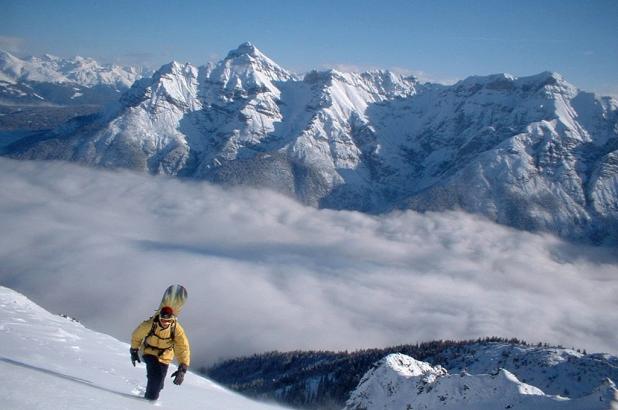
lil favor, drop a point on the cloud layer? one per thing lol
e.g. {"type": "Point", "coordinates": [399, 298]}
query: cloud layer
{"type": "Point", "coordinates": [265, 273]}
{"type": "Point", "coordinates": [12, 44]}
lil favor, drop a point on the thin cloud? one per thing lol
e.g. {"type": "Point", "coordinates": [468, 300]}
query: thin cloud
{"type": "Point", "coordinates": [13, 44]}
{"type": "Point", "coordinates": [213, 58]}
{"type": "Point", "coordinates": [507, 40]}
{"type": "Point", "coordinates": [264, 272]}
{"type": "Point", "coordinates": [607, 91]}
{"type": "Point", "coordinates": [137, 58]}
{"type": "Point", "coordinates": [421, 75]}
{"type": "Point", "coordinates": [349, 68]}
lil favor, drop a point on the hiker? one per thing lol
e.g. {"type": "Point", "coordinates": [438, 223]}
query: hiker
{"type": "Point", "coordinates": [161, 337]}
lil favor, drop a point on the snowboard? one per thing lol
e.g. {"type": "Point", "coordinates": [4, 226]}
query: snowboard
{"type": "Point", "coordinates": [175, 297]}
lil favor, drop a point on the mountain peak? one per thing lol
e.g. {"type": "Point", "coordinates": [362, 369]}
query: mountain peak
{"type": "Point", "coordinates": [408, 366]}
{"type": "Point", "coordinates": [247, 67]}
{"type": "Point", "coordinates": [546, 78]}
{"type": "Point", "coordinates": [245, 48]}
{"type": "Point", "coordinates": [171, 67]}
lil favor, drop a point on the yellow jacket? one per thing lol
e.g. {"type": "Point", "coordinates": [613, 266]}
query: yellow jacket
{"type": "Point", "coordinates": [160, 342]}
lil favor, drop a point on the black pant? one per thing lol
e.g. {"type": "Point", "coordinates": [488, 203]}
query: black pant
{"type": "Point", "coordinates": [155, 372]}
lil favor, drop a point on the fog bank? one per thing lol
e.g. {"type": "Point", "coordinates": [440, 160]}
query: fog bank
{"type": "Point", "coordinates": [264, 272]}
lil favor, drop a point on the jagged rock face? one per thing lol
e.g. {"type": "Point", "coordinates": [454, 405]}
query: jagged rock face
{"type": "Point", "coordinates": [524, 152]}
{"type": "Point", "coordinates": [401, 382]}
{"type": "Point", "coordinates": [534, 152]}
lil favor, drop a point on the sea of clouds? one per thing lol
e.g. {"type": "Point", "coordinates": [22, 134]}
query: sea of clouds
{"type": "Point", "coordinates": [265, 273]}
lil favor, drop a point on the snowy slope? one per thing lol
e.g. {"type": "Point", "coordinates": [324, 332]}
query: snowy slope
{"type": "Point", "coordinates": [52, 362]}
{"type": "Point", "coordinates": [401, 382]}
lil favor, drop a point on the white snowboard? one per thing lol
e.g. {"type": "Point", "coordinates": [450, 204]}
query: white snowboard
{"type": "Point", "coordinates": [175, 297]}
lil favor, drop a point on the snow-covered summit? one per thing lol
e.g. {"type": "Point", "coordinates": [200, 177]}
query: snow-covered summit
{"type": "Point", "coordinates": [401, 382]}
{"type": "Point", "coordinates": [53, 362]}
{"type": "Point", "coordinates": [407, 366]}
{"type": "Point", "coordinates": [247, 71]}
{"type": "Point", "coordinates": [248, 49]}
{"type": "Point", "coordinates": [175, 84]}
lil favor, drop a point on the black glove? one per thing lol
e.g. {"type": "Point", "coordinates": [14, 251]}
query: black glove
{"type": "Point", "coordinates": [134, 356]}
{"type": "Point", "coordinates": [179, 375]}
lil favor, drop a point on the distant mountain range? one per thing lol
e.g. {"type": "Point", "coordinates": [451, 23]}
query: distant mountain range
{"type": "Point", "coordinates": [533, 152]}
{"type": "Point", "coordinates": [489, 373]}
{"type": "Point", "coordinates": [80, 71]}
{"type": "Point", "coordinates": [38, 93]}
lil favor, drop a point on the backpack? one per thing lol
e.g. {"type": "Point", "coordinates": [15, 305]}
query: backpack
{"type": "Point", "coordinates": [152, 333]}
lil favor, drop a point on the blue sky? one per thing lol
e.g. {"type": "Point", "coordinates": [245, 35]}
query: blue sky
{"type": "Point", "coordinates": [441, 40]}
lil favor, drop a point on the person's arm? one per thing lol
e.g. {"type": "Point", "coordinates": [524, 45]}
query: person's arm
{"type": "Point", "coordinates": [138, 335]}
{"type": "Point", "coordinates": [183, 353]}
{"type": "Point", "coordinates": [181, 346]}
{"type": "Point", "coordinates": [136, 340]}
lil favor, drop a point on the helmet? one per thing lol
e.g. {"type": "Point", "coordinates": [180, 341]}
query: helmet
{"type": "Point", "coordinates": [166, 312]}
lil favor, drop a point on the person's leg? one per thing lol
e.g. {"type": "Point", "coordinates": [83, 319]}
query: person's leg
{"type": "Point", "coordinates": [155, 374]}
{"type": "Point", "coordinates": [163, 370]}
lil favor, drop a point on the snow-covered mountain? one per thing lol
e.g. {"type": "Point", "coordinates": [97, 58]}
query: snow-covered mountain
{"type": "Point", "coordinates": [401, 382]}
{"type": "Point", "coordinates": [52, 362]}
{"type": "Point", "coordinates": [532, 152]}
